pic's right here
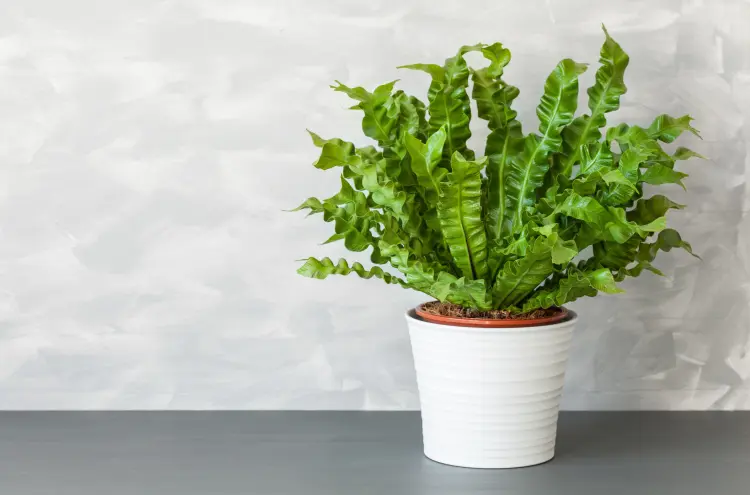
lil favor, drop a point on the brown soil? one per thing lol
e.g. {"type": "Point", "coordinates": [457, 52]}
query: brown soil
{"type": "Point", "coordinates": [450, 309]}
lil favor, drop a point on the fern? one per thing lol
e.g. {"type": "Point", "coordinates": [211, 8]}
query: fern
{"type": "Point", "coordinates": [502, 231]}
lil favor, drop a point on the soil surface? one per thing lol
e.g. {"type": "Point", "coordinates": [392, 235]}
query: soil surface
{"type": "Point", "coordinates": [450, 309]}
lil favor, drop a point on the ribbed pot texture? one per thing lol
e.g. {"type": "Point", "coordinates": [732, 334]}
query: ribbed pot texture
{"type": "Point", "coordinates": [490, 396]}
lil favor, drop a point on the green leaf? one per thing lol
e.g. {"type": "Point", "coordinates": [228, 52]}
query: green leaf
{"type": "Point", "coordinates": [472, 293]}
{"type": "Point", "coordinates": [630, 163]}
{"type": "Point", "coordinates": [502, 143]}
{"type": "Point", "coordinates": [648, 210]}
{"type": "Point", "coordinates": [615, 256]}
{"type": "Point", "coordinates": [313, 204]}
{"type": "Point", "coordinates": [436, 71]}
{"type": "Point", "coordinates": [595, 157]}
{"type": "Point", "coordinates": [618, 133]}
{"type": "Point", "coordinates": [574, 285]}
{"type": "Point", "coordinates": [421, 110]}
{"type": "Point", "coordinates": [603, 281]}
{"type": "Point", "coordinates": [460, 214]}
{"type": "Point", "coordinates": [604, 96]}
{"type": "Point", "coordinates": [609, 223]}
{"type": "Point", "coordinates": [644, 151]}
{"type": "Point", "coordinates": [617, 177]}
{"type": "Point", "coordinates": [488, 88]}
{"type": "Point", "coordinates": [334, 152]}
{"type": "Point", "coordinates": [449, 104]}
{"type": "Point", "coordinates": [622, 182]}
{"type": "Point", "coordinates": [383, 192]}
{"type": "Point", "coordinates": [409, 114]}
{"type": "Point", "coordinates": [494, 98]}
{"type": "Point", "coordinates": [424, 160]}
{"type": "Point", "coordinates": [320, 269]}
{"type": "Point", "coordinates": [499, 57]}
{"type": "Point", "coordinates": [420, 274]}
{"type": "Point", "coordinates": [667, 129]}
{"type": "Point", "coordinates": [668, 239]}
{"type": "Point", "coordinates": [556, 110]}
{"type": "Point", "coordinates": [436, 281]}
{"type": "Point", "coordinates": [619, 191]}
{"type": "Point", "coordinates": [377, 123]}
{"type": "Point", "coordinates": [685, 154]}
{"type": "Point", "coordinates": [588, 184]}
{"type": "Point", "coordinates": [563, 252]}
{"type": "Point", "coordinates": [367, 168]}
{"type": "Point", "coordinates": [521, 276]}
{"type": "Point", "coordinates": [659, 174]}
{"type": "Point", "coordinates": [353, 220]}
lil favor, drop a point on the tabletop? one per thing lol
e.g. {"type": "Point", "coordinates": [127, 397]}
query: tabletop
{"type": "Point", "coordinates": [358, 453]}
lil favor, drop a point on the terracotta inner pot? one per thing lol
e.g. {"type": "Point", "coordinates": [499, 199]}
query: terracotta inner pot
{"type": "Point", "coordinates": [491, 322]}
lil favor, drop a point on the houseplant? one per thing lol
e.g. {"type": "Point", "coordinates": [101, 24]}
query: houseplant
{"type": "Point", "coordinates": [500, 242]}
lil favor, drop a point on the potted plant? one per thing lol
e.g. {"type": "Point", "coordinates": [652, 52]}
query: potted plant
{"type": "Point", "coordinates": [500, 242]}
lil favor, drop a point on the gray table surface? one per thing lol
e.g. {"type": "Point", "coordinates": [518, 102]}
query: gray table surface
{"type": "Point", "coordinates": [358, 453]}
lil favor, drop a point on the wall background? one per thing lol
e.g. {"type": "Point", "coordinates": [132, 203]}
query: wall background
{"type": "Point", "coordinates": [148, 147]}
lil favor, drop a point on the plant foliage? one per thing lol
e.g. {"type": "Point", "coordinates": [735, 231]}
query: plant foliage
{"type": "Point", "coordinates": [508, 230]}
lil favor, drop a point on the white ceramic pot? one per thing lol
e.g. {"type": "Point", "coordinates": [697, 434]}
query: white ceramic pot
{"type": "Point", "coordinates": [490, 396]}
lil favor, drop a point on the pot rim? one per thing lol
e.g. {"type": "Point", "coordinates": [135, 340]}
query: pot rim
{"type": "Point", "coordinates": [479, 324]}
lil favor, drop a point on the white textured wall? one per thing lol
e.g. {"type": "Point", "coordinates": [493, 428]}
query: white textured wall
{"type": "Point", "coordinates": [148, 147]}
